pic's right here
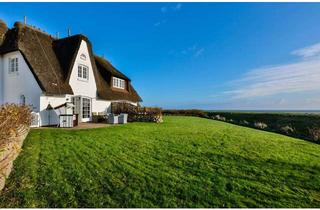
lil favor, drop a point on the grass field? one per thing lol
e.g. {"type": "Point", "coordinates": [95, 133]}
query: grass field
{"type": "Point", "coordinates": [183, 162]}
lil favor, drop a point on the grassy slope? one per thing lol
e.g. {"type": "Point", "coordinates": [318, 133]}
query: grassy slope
{"type": "Point", "coordinates": [184, 162]}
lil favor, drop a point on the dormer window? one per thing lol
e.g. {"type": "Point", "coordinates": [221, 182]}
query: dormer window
{"type": "Point", "coordinates": [83, 72]}
{"type": "Point", "coordinates": [13, 65]}
{"type": "Point", "coordinates": [118, 83]}
{"type": "Point", "coordinates": [83, 57]}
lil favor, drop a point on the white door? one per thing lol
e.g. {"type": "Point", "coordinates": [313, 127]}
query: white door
{"type": "Point", "coordinates": [86, 109]}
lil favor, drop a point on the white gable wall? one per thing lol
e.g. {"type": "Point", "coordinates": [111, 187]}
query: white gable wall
{"type": "Point", "coordinates": [79, 86]}
{"type": "Point", "coordinates": [87, 88]}
{"type": "Point", "coordinates": [21, 83]}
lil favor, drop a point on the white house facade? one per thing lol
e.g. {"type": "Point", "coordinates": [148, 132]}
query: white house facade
{"type": "Point", "coordinates": [47, 73]}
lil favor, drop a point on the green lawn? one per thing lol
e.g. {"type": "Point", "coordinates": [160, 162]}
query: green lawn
{"type": "Point", "coordinates": [183, 162]}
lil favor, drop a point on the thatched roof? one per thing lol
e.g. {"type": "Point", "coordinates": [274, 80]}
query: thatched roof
{"type": "Point", "coordinates": [3, 30]}
{"type": "Point", "coordinates": [51, 61]}
{"type": "Point", "coordinates": [106, 71]}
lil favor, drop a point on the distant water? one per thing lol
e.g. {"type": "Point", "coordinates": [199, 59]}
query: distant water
{"type": "Point", "coordinates": [270, 111]}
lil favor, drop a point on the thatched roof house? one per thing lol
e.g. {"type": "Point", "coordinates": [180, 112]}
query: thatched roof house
{"type": "Point", "coordinates": [54, 64]}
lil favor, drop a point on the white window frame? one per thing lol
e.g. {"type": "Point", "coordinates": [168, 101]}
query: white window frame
{"type": "Point", "coordinates": [13, 65]}
{"type": "Point", "coordinates": [118, 83]}
{"type": "Point", "coordinates": [83, 72]}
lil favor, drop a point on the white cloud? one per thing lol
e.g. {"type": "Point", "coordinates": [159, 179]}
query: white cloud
{"type": "Point", "coordinates": [193, 50]}
{"type": "Point", "coordinates": [174, 8]}
{"type": "Point", "coordinates": [301, 76]}
{"type": "Point", "coordinates": [160, 23]}
{"type": "Point", "coordinates": [310, 51]}
{"type": "Point", "coordinates": [164, 9]}
{"type": "Point", "coordinates": [177, 7]}
{"type": "Point", "coordinates": [198, 52]}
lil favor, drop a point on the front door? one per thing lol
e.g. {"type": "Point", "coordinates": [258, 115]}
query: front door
{"type": "Point", "coordinates": [82, 107]}
{"type": "Point", "coordinates": [86, 109]}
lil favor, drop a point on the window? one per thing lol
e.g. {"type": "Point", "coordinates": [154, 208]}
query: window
{"type": "Point", "coordinates": [118, 83]}
{"type": "Point", "coordinates": [83, 72]}
{"type": "Point", "coordinates": [83, 57]}
{"type": "Point", "coordinates": [86, 108]}
{"type": "Point", "coordinates": [13, 65]}
{"type": "Point", "coordinates": [22, 100]}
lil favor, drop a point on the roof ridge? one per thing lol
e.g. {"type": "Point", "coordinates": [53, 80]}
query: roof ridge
{"type": "Point", "coordinates": [74, 36]}
{"type": "Point", "coordinates": [20, 25]}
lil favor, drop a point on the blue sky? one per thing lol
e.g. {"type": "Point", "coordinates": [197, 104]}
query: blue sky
{"type": "Point", "coordinates": [199, 55]}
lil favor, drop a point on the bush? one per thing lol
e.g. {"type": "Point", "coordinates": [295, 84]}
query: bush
{"type": "Point", "coordinates": [218, 117]}
{"type": "Point", "coordinates": [287, 129]}
{"type": "Point", "coordinates": [315, 134]}
{"type": "Point", "coordinates": [12, 118]}
{"type": "Point", "coordinates": [244, 122]}
{"type": "Point", "coordinates": [260, 125]}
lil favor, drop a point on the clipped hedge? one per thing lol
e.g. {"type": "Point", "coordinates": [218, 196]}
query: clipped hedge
{"type": "Point", "coordinates": [186, 112]}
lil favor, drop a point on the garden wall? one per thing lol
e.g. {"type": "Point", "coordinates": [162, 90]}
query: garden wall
{"type": "Point", "coordinates": [9, 152]}
{"type": "Point", "coordinates": [137, 113]}
{"type": "Point", "coordinates": [14, 127]}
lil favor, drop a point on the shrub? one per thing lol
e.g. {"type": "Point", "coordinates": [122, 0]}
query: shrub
{"type": "Point", "coordinates": [260, 125]}
{"type": "Point", "coordinates": [12, 118]}
{"type": "Point", "coordinates": [244, 122]}
{"type": "Point", "coordinates": [287, 129]}
{"type": "Point", "coordinates": [315, 134]}
{"type": "Point", "coordinates": [218, 117]}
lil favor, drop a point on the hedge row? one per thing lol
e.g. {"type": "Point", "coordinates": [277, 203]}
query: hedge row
{"type": "Point", "coordinates": [303, 126]}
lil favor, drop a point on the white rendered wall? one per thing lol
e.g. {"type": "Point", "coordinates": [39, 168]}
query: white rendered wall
{"type": "Point", "coordinates": [21, 83]}
{"type": "Point", "coordinates": [87, 88]}
{"type": "Point", "coordinates": [101, 106]}
{"type": "Point", "coordinates": [79, 86]}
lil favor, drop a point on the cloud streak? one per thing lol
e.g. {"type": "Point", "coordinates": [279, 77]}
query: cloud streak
{"type": "Point", "coordinates": [297, 77]}
{"type": "Point", "coordinates": [310, 51]}
{"type": "Point", "coordinates": [193, 50]}
{"type": "Point", "coordinates": [166, 9]}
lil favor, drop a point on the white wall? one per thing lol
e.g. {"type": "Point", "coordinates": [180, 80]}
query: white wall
{"type": "Point", "coordinates": [21, 83]}
{"type": "Point", "coordinates": [101, 106]}
{"type": "Point", "coordinates": [81, 87]}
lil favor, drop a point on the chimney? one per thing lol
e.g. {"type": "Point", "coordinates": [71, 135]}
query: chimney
{"type": "Point", "coordinates": [69, 32]}
{"type": "Point", "coordinates": [25, 20]}
{"type": "Point", "coordinates": [58, 35]}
